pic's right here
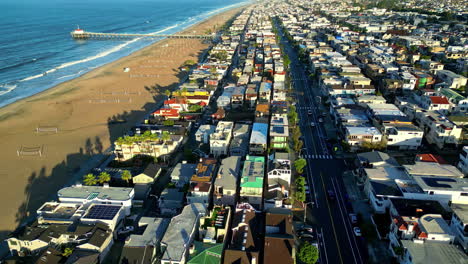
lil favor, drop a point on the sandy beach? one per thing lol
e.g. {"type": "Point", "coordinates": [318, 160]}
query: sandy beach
{"type": "Point", "coordinates": [80, 110]}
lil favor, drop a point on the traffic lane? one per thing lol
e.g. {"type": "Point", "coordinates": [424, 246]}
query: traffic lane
{"type": "Point", "coordinates": [343, 236]}
{"type": "Point", "coordinates": [322, 216]}
{"type": "Point", "coordinates": [340, 211]}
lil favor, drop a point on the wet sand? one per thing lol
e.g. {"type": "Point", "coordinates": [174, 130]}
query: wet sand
{"type": "Point", "coordinates": [80, 109]}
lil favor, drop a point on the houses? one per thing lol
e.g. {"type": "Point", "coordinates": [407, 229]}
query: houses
{"type": "Point", "coordinates": [459, 224]}
{"type": "Point", "coordinates": [245, 244]}
{"type": "Point", "coordinates": [225, 184]}
{"type": "Point", "coordinates": [145, 247]}
{"type": "Point", "coordinates": [97, 195]}
{"type": "Point", "coordinates": [96, 238]}
{"type": "Point", "coordinates": [221, 138]}
{"type": "Point", "coordinates": [170, 201]}
{"type": "Point", "coordinates": [258, 139]}
{"type": "Point", "coordinates": [357, 135]}
{"type": "Point", "coordinates": [438, 129]}
{"type": "Point", "coordinates": [180, 233]}
{"type": "Point", "coordinates": [147, 144]}
{"type": "Point", "coordinates": [436, 103]}
{"type": "Point", "coordinates": [203, 133]}
{"type": "Point", "coordinates": [451, 79]}
{"type": "Point", "coordinates": [251, 185]}
{"type": "Point", "coordinates": [403, 136]}
{"type": "Point", "coordinates": [182, 173]}
{"type": "Point", "coordinates": [463, 163]}
{"type": "Point", "coordinates": [143, 181]}
{"type": "Point", "coordinates": [279, 132]}
{"type": "Point", "coordinates": [279, 239]}
{"type": "Point", "coordinates": [240, 141]}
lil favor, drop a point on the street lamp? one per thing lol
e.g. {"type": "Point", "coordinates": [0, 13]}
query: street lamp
{"type": "Point", "coordinates": [305, 210]}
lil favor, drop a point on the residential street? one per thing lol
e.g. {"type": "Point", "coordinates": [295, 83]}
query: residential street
{"type": "Point", "coordinates": [338, 243]}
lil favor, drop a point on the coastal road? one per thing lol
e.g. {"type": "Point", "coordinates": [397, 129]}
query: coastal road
{"type": "Point", "coordinates": [338, 243]}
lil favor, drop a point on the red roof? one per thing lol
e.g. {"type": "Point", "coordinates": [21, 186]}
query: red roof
{"type": "Point", "coordinates": [431, 158]}
{"type": "Point", "coordinates": [166, 112]}
{"type": "Point", "coordinates": [175, 101]}
{"type": "Point", "coordinates": [439, 100]}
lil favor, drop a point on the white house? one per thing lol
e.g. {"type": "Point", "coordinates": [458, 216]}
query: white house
{"type": "Point", "coordinates": [459, 224]}
{"type": "Point", "coordinates": [403, 136]}
{"type": "Point", "coordinates": [452, 80]}
{"type": "Point", "coordinates": [99, 195]}
{"type": "Point", "coordinates": [220, 139]}
{"type": "Point", "coordinates": [203, 133]}
{"type": "Point", "coordinates": [356, 135]}
{"type": "Point", "coordinates": [463, 163]}
{"type": "Point", "coordinates": [438, 129]}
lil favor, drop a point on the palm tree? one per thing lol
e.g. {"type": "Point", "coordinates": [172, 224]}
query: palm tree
{"type": "Point", "coordinates": [165, 136]}
{"type": "Point", "coordinates": [89, 179]}
{"type": "Point", "coordinates": [67, 252]}
{"type": "Point", "coordinates": [104, 177]}
{"type": "Point", "coordinates": [126, 176]}
{"type": "Point", "coordinates": [167, 93]}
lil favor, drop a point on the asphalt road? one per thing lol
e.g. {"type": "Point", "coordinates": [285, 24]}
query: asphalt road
{"type": "Point", "coordinates": [330, 218]}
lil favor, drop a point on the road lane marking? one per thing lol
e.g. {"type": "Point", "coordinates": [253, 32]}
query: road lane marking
{"type": "Point", "coordinates": [331, 217]}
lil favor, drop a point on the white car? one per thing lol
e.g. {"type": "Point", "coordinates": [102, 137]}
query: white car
{"type": "Point", "coordinates": [357, 231]}
{"type": "Point", "coordinates": [320, 120]}
{"type": "Point", "coordinates": [125, 230]}
{"type": "Point", "coordinates": [353, 218]}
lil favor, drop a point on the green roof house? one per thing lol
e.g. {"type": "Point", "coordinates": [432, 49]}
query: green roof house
{"type": "Point", "coordinates": [252, 177]}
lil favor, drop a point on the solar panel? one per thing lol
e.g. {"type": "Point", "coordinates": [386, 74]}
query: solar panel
{"type": "Point", "coordinates": [105, 212]}
{"type": "Point", "coordinates": [278, 129]}
{"type": "Point", "coordinates": [92, 195]}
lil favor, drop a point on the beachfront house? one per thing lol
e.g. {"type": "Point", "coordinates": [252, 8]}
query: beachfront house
{"type": "Point", "coordinates": [147, 144]}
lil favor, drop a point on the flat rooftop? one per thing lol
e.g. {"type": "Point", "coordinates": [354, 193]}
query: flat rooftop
{"type": "Point", "coordinates": [461, 210]}
{"type": "Point", "coordinates": [433, 169]}
{"type": "Point", "coordinates": [441, 183]}
{"type": "Point", "coordinates": [386, 188]}
{"type": "Point", "coordinates": [96, 192]}
{"type": "Point", "coordinates": [387, 173]}
{"type": "Point", "coordinates": [434, 252]}
{"type": "Point", "coordinates": [418, 208]}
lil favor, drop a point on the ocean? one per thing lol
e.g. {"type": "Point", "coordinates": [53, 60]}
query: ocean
{"type": "Point", "coordinates": [37, 52]}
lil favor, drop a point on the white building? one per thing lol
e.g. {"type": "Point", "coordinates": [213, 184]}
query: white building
{"type": "Point", "coordinates": [438, 129]}
{"type": "Point", "coordinates": [220, 139]}
{"type": "Point", "coordinates": [463, 163]}
{"type": "Point", "coordinates": [459, 224]}
{"type": "Point", "coordinates": [356, 135]}
{"type": "Point", "coordinates": [203, 133]}
{"type": "Point", "coordinates": [98, 195]}
{"type": "Point", "coordinates": [451, 79]}
{"type": "Point", "coordinates": [403, 136]}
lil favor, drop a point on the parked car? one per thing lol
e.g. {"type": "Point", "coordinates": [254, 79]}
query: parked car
{"type": "Point", "coordinates": [331, 195]}
{"type": "Point", "coordinates": [125, 230]}
{"type": "Point", "coordinates": [309, 112]}
{"type": "Point", "coordinates": [312, 124]}
{"type": "Point", "coordinates": [353, 218]}
{"type": "Point", "coordinates": [357, 231]}
{"type": "Point", "coordinates": [320, 120]}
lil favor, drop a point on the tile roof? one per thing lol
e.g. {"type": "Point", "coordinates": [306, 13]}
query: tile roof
{"type": "Point", "coordinates": [439, 100]}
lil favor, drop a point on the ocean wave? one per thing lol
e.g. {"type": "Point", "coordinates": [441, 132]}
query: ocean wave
{"type": "Point", "coordinates": [6, 88]}
{"type": "Point", "coordinates": [123, 45]}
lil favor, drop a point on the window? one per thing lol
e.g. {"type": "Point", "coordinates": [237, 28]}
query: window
{"type": "Point", "coordinates": [431, 193]}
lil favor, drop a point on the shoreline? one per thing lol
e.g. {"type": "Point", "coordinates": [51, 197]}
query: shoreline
{"type": "Point", "coordinates": [210, 15]}
{"type": "Point", "coordinates": [81, 110]}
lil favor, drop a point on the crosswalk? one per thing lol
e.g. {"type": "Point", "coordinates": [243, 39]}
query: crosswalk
{"type": "Point", "coordinates": [307, 107]}
{"type": "Point", "coordinates": [317, 156]}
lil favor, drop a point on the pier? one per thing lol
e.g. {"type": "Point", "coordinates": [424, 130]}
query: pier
{"type": "Point", "coordinates": [81, 34]}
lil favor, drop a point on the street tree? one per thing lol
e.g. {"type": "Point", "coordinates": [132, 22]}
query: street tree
{"type": "Point", "coordinates": [308, 253]}
{"type": "Point", "coordinates": [67, 252]}
{"type": "Point", "coordinates": [299, 165]}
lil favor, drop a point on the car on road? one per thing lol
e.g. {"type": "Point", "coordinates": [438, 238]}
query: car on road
{"type": "Point", "coordinates": [309, 112]}
{"type": "Point", "coordinates": [320, 120]}
{"type": "Point", "coordinates": [353, 218]}
{"type": "Point", "coordinates": [357, 231]}
{"type": "Point", "coordinates": [312, 124]}
{"type": "Point", "coordinates": [306, 229]}
{"type": "Point", "coordinates": [308, 237]}
{"type": "Point", "coordinates": [331, 195]}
